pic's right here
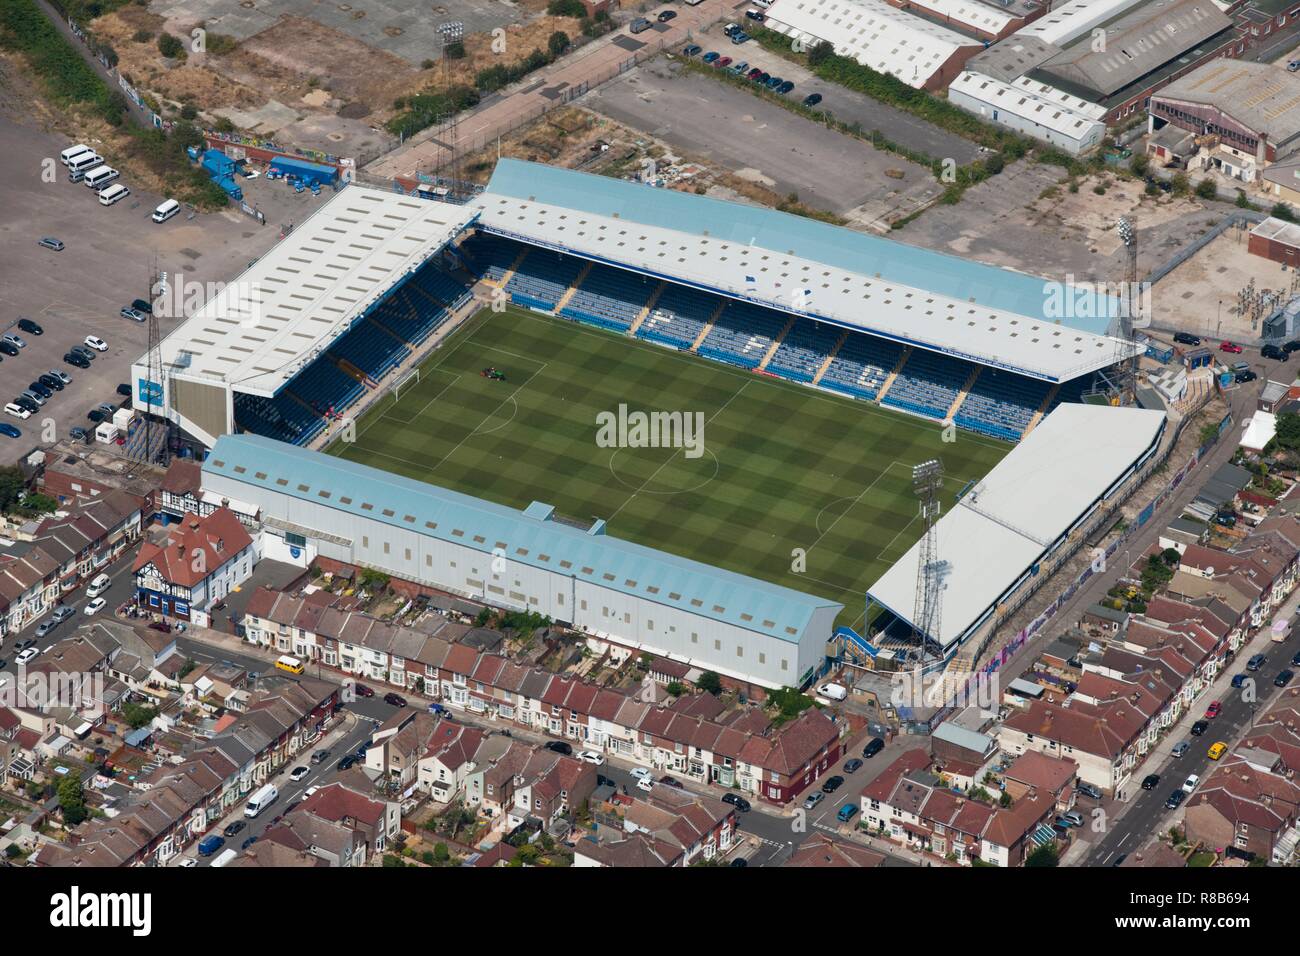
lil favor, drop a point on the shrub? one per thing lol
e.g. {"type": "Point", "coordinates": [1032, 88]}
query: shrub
{"type": "Point", "coordinates": [1207, 189]}
{"type": "Point", "coordinates": [170, 47]}
{"type": "Point", "coordinates": [566, 8]}
{"type": "Point", "coordinates": [142, 36]}
{"type": "Point", "coordinates": [188, 112]}
{"type": "Point", "coordinates": [1282, 211]}
{"type": "Point", "coordinates": [558, 43]}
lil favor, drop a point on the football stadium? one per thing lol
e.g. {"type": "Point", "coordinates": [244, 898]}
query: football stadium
{"type": "Point", "coordinates": [681, 424]}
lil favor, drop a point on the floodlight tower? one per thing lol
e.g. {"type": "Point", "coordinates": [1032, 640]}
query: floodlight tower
{"type": "Point", "coordinates": [157, 431]}
{"type": "Point", "coordinates": [927, 484]}
{"type": "Point", "coordinates": [451, 32]}
{"type": "Point", "coordinates": [1130, 298]}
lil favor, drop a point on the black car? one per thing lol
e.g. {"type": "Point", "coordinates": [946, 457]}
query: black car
{"type": "Point", "coordinates": [604, 781]}
{"type": "Point", "coordinates": [397, 700]}
{"type": "Point", "coordinates": [738, 862]}
{"type": "Point", "coordinates": [1225, 518]}
{"type": "Point", "coordinates": [80, 434]}
{"type": "Point", "coordinates": [76, 360]}
{"type": "Point", "coordinates": [832, 784]}
{"type": "Point", "coordinates": [1273, 352]}
{"type": "Point", "coordinates": [247, 843]}
{"type": "Point", "coordinates": [665, 16]}
{"type": "Point", "coordinates": [1186, 338]}
{"type": "Point", "coordinates": [1149, 783]}
{"type": "Point", "coordinates": [51, 381]}
{"type": "Point", "coordinates": [1200, 727]}
{"type": "Point", "coordinates": [98, 415]}
{"type": "Point", "coordinates": [874, 747]}
{"type": "Point", "coordinates": [40, 388]}
{"type": "Point", "coordinates": [560, 747]}
{"type": "Point", "coordinates": [671, 781]}
{"type": "Point", "coordinates": [22, 401]}
{"type": "Point", "coordinates": [346, 762]}
{"type": "Point", "coordinates": [233, 828]}
{"type": "Point", "coordinates": [1175, 800]}
{"type": "Point", "coordinates": [691, 50]}
{"type": "Point", "coordinates": [739, 802]}
{"type": "Point", "coordinates": [27, 325]}
{"type": "Point", "coordinates": [142, 305]}
{"type": "Point", "coordinates": [8, 348]}
{"type": "Point", "coordinates": [1283, 678]}
{"type": "Point", "coordinates": [124, 390]}
{"type": "Point", "coordinates": [851, 766]}
{"type": "Point", "coordinates": [1295, 661]}
{"type": "Point", "coordinates": [1292, 346]}
{"type": "Point", "coordinates": [1242, 377]}
{"type": "Point", "coordinates": [812, 99]}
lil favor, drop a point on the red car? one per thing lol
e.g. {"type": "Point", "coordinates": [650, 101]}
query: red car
{"type": "Point", "coordinates": [361, 690]}
{"type": "Point", "coordinates": [722, 61]}
{"type": "Point", "coordinates": [1233, 347]}
{"type": "Point", "coordinates": [754, 73]}
{"type": "Point", "coordinates": [1213, 710]}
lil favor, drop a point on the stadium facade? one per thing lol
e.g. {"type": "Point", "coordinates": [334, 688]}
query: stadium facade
{"type": "Point", "coordinates": [318, 505]}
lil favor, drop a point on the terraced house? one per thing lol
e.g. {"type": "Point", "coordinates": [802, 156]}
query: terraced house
{"type": "Point", "coordinates": [746, 752]}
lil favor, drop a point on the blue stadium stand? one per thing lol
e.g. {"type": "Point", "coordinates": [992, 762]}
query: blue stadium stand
{"type": "Point", "coordinates": [542, 279]}
{"type": "Point", "coordinates": [928, 384]}
{"type": "Point", "coordinates": [1001, 404]}
{"type": "Point", "coordinates": [861, 366]}
{"type": "Point", "coordinates": [803, 350]}
{"type": "Point", "coordinates": [678, 317]}
{"type": "Point", "coordinates": [609, 298]}
{"type": "Point", "coordinates": [742, 334]}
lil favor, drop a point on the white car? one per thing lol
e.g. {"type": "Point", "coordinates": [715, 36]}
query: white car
{"type": "Point", "coordinates": [641, 773]}
{"type": "Point", "coordinates": [98, 586]}
{"type": "Point", "coordinates": [590, 756]}
{"type": "Point", "coordinates": [17, 411]}
{"type": "Point", "coordinates": [26, 655]}
{"type": "Point", "coordinates": [95, 606]}
{"type": "Point", "coordinates": [297, 773]}
{"type": "Point", "coordinates": [188, 861]}
{"type": "Point", "coordinates": [96, 343]}
{"type": "Point", "coordinates": [307, 794]}
{"type": "Point", "coordinates": [646, 783]}
{"type": "Point", "coordinates": [1191, 783]}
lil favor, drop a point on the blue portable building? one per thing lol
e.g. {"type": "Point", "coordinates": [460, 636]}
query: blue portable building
{"type": "Point", "coordinates": [305, 171]}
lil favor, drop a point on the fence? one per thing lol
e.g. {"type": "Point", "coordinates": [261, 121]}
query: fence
{"type": "Point", "coordinates": [1013, 646]}
{"type": "Point", "coordinates": [1238, 218]}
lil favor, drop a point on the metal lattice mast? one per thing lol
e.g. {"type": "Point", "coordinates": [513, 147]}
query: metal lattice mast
{"type": "Point", "coordinates": [453, 31]}
{"type": "Point", "coordinates": [156, 422]}
{"type": "Point", "coordinates": [1128, 311]}
{"type": "Point", "coordinates": [927, 483]}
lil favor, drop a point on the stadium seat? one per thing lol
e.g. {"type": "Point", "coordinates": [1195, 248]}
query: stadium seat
{"type": "Point", "coordinates": [1001, 404]}
{"type": "Point", "coordinates": [678, 317]}
{"type": "Point", "coordinates": [609, 298]}
{"type": "Point", "coordinates": [543, 278]}
{"type": "Point", "coordinates": [861, 366]}
{"type": "Point", "coordinates": [803, 350]}
{"type": "Point", "coordinates": [743, 333]}
{"type": "Point", "coordinates": [928, 384]}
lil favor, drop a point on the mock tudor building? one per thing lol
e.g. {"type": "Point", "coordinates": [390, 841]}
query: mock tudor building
{"type": "Point", "coordinates": [199, 563]}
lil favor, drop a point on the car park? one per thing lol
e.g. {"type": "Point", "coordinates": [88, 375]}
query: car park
{"type": "Point", "coordinates": [1150, 781]}
{"type": "Point", "coordinates": [30, 327]}
{"type": "Point", "coordinates": [1186, 338]}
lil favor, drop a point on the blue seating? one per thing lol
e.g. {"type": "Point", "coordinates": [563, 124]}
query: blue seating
{"type": "Point", "coordinates": [610, 298]}
{"type": "Point", "coordinates": [803, 350]}
{"type": "Point", "coordinates": [743, 333]}
{"type": "Point", "coordinates": [490, 256]}
{"type": "Point", "coordinates": [861, 366]}
{"type": "Point", "coordinates": [417, 309]}
{"type": "Point", "coordinates": [280, 417]}
{"type": "Point", "coordinates": [928, 383]}
{"type": "Point", "coordinates": [543, 278]}
{"type": "Point", "coordinates": [1001, 404]}
{"type": "Point", "coordinates": [370, 349]}
{"type": "Point", "coordinates": [678, 317]}
{"type": "Point", "coordinates": [323, 385]}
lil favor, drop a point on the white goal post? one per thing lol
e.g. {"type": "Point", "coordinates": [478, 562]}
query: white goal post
{"type": "Point", "coordinates": [405, 383]}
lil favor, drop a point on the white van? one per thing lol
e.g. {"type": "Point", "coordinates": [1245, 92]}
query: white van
{"type": "Point", "coordinates": [85, 162]}
{"type": "Point", "coordinates": [166, 210]}
{"type": "Point", "coordinates": [225, 857]}
{"type": "Point", "coordinates": [72, 152]}
{"type": "Point", "coordinates": [261, 800]}
{"type": "Point", "coordinates": [833, 691]}
{"type": "Point", "coordinates": [98, 586]}
{"type": "Point", "coordinates": [101, 176]}
{"type": "Point", "coordinates": [112, 194]}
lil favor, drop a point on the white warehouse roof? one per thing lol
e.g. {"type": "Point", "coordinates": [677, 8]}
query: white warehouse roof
{"type": "Point", "coordinates": [1074, 19]}
{"type": "Point", "coordinates": [1006, 523]}
{"type": "Point", "coordinates": [291, 303]}
{"type": "Point", "coordinates": [1034, 101]}
{"type": "Point", "coordinates": [971, 13]}
{"type": "Point", "coordinates": [873, 33]}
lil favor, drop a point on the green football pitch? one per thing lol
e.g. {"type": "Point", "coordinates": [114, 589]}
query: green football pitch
{"type": "Point", "coordinates": [794, 486]}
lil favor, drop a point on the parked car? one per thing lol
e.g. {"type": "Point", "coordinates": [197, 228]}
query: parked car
{"type": "Point", "coordinates": [1088, 790]}
{"type": "Point", "coordinates": [72, 358]}
{"type": "Point", "coordinates": [1292, 346]}
{"type": "Point", "coordinates": [739, 802]}
{"type": "Point", "coordinates": [666, 15]}
{"type": "Point", "coordinates": [1213, 710]}
{"type": "Point", "coordinates": [753, 74]}
{"type": "Point", "coordinates": [1175, 799]}
{"type": "Point", "coordinates": [211, 844]}
{"type": "Point", "coordinates": [873, 747]}
{"type": "Point", "coordinates": [691, 50]}
{"type": "Point", "coordinates": [96, 343]}
{"type": "Point", "coordinates": [309, 792]}
{"type": "Point", "coordinates": [785, 87]}
{"type": "Point", "coordinates": [345, 763]}
{"type": "Point", "coordinates": [591, 757]}
{"type": "Point", "coordinates": [1240, 680]}
{"type": "Point", "coordinates": [1295, 660]}
{"type": "Point", "coordinates": [397, 700]}
{"type": "Point", "coordinates": [135, 315]}
{"type": "Point", "coordinates": [320, 756]}
{"type": "Point", "coordinates": [756, 15]}
{"type": "Point", "coordinates": [1283, 678]}
{"type": "Point", "coordinates": [49, 381]}
{"type": "Point", "coordinates": [10, 431]}
{"type": "Point", "coordinates": [560, 747]}
{"type": "Point", "coordinates": [63, 377]}
{"type": "Point", "coordinates": [249, 842]}
{"type": "Point", "coordinates": [1186, 338]}
{"type": "Point", "coordinates": [30, 327]}
{"type": "Point", "coordinates": [26, 655]}
{"type": "Point", "coordinates": [1273, 352]}
{"type": "Point", "coordinates": [233, 828]}
{"type": "Point", "coordinates": [852, 766]}
{"type": "Point", "coordinates": [8, 348]}
{"type": "Point", "coordinates": [49, 242]}
{"type": "Point", "coordinates": [95, 606]}
{"type": "Point", "coordinates": [1190, 783]}
{"type": "Point", "coordinates": [41, 389]}
{"type": "Point", "coordinates": [670, 781]}
{"type": "Point", "coordinates": [361, 690]}
{"type": "Point", "coordinates": [1256, 662]}
{"type": "Point", "coordinates": [1217, 750]}
{"type": "Point", "coordinates": [721, 62]}
{"type": "Point", "coordinates": [297, 773]}
{"type": "Point", "coordinates": [1200, 727]}
{"type": "Point", "coordinates": [739, 68]}
{"type": "Point", "coordinates": [710, 56]}
{"type": "Point", "coordinates": [641, 773]}
{"type": "Point", "coordinates": [739, 38]}
{"type": "Point", "coordinates": [813, 799]}
{"type": "Point", "coordinates": [1150, 781]}
{"type": "Point", "coordinates": [98, 415]}
{"type": "Point", "coordinates": [1233, 347]}
{"type": "Point", "coordinates": [832, 784]}
{"type": "Point", "coordinates": [1073, 818]}
{"type": "Point", "coordinates": [1181, 748]}
{"type": "Point", "coordinates": [847, 812]}
{"type": "Point", "coordinates": [812, 99]}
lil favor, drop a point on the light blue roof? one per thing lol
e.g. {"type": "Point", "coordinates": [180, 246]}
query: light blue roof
{"type": "Point", "coordinates": [960, 279]}
{"type": "Point", "coordinates": [530, 537]}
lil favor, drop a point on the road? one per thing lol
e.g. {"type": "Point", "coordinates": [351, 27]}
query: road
{"type": "Point", "coordinates": [1146, 814]}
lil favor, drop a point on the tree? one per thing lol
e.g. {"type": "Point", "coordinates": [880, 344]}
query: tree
{"type": "Point", "coordinates": [1139, 164]}
{"type": "Point", "coordinates": [1282, 211]}
{"type": "Point", "coordinates": [819, 53]}
{"type": "Point", "coordinates": [710, 683]}
{"type": "Point", "coordinates": [1004, 800]}
{"type": "Point", "coordinates": [1043, 856]}
{"type": "Point", "coordinates": [558, 43]}
{"type": "Point", "coordinates": [12, 484]}
{"type": "Point", "coordinates": [72, 800]}
{"type": "Point", "coordinates": [675, 689]}
{"type": "Point", "coordinates": [566, 8]}
{"type": "Point", "coordinates": [994, 164]}
{"type": "Point", "coordinates": [1179, 184]}
{"type": "Point", "coordinates": [1207, 189]}
{"type": "Point", "coordinates": [170, 47]}
{"type": "Point", "coordinates": [1288, 433]}
{"type": "Point", "coordinates": [1171, 557]}
{"type": "Point", "coordinates": [441, 853]}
